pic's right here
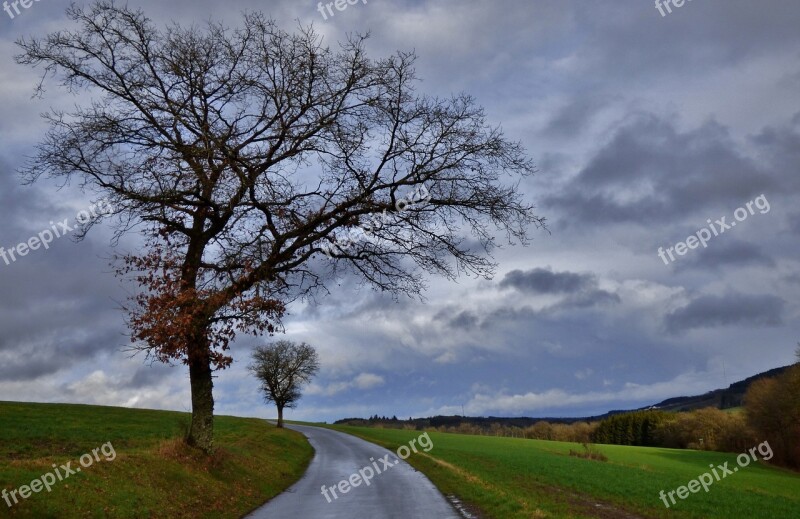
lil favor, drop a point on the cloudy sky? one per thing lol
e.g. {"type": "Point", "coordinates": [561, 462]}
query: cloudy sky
{"type": "Point", "coordinates": [644, 127]}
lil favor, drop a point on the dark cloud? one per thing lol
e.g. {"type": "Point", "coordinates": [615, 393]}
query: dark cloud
{"type": "Point", "coordinates": [59, 308]}
{"type": "Point", "coordinates": [545, 281]}
{"type": "Point", "coordinates": [148, 376]}
{"type": "Point", "coordinates": [465, 320]}
{"type": "Point", "coordinates": [728, 310]}
{"type": "Point", "coordinates": [456, 318]}
{"type": "Point", "coordinates": [792, 278]}
{"type": "Point", "coordinates": [626, 40]}
{"type": "Point", "coordinates": [14, 367]}
{"type": "Point", "coordinates": [581, 290]}
{"type": "Point", "coordinates": [729, 253]}
{"type": "Point", "coordinates": [649, 172]}
{"type": "Point", "coordinates": [575, 116]}
{"type": "Point", "coordinates": [505, 314]}
{"type": "Point", "coordinates": [779, 148]}
{"type": "Point", "coordinates": [794, 223]}
{"type": "Point", "coordinates": [589, 299]}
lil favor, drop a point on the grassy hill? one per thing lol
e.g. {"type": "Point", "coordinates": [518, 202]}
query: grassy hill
{"type": "Point", "coordinates": [152, 474]}
{"type": "Point", "coordinates": [508, 478]}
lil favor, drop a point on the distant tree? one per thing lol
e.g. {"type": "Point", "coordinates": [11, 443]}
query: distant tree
{"type": "Point", "coordinates": [282, 368]}
{"type": "Point", "coordinates": [541, 430]}
{"type": "Point", "coordinates": [635, 428]}
{"type": "Point", "coordinates": [704, 429]}
{"type": "Point", "coordinates": [772, 406]}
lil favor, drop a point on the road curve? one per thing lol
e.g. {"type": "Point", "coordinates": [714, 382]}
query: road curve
{"type": "Point", "coordinates": [399, 491]}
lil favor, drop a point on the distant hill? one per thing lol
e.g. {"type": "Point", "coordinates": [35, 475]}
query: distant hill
{"type": "Point", "coordinates": [719, 398]}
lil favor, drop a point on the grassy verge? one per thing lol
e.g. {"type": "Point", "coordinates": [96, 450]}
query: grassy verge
{"type": "Point", "coordinates": [512, 478]}
{"type": "Point", "coordinates": [153, 474]}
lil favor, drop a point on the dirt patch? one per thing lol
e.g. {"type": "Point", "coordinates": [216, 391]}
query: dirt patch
{"type": "Point", "coordinates": [591, 507]}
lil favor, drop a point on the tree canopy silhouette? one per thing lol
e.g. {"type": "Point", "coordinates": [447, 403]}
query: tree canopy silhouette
{"type": "Point", "coordinates": [282, 368]}
{"type": "Point", "coordinates": [245, 155]}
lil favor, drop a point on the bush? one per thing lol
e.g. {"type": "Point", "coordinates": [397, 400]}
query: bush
{"type": "Point", "coordinates": [590, 452]}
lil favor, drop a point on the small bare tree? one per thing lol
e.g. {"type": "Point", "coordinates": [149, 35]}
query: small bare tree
{"type": "Point", "coordinates": [283, 367]}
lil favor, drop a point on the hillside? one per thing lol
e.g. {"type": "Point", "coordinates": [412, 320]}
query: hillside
{"type": "Point", "coordinates": [141, 467]}
{"type": "Point", "coordinates": [727, 398]}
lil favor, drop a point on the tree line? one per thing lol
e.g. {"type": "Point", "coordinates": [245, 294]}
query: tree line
{"type": "Point", "coordinates": [771, 412]}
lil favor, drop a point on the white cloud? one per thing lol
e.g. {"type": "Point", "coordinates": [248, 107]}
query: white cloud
{"type": "Point", "coordinates": [368, 380]}
{"type": "Point", "coordinates": [362, 381]}
{"type": "Point", "coordinates": [104, 387]}
{"type": "Point", "coordinates": [498, 403]}
{"type": "Point", "coordinates": [583, 374]}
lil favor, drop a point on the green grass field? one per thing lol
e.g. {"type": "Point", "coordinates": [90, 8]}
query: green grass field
{"type": "Point", "coordinates": [508, 478]}
{"type": "Point", "coordinates": [154, 473]}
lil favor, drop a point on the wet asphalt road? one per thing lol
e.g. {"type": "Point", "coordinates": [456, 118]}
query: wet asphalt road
{"type": "Point", "coordinates": [398, 491]}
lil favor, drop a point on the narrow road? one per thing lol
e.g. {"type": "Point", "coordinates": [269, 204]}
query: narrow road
{"type": "Point", "coordinates": [398, 491]}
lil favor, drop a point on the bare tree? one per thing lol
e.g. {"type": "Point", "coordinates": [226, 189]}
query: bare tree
{"type": "Point", "coordinates": [245, 156]}
{"type": "Point", "coordinates": [283, 367]}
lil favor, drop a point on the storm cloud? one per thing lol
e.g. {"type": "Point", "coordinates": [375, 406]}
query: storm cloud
{"type": "Point", "coordinates": [731, 309]}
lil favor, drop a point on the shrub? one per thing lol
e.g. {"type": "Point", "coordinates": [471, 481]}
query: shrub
{"type": "Point", "coordinates": [590, 452]}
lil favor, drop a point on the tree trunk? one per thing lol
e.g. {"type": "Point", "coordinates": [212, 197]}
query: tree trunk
{"type": "Point", "coordinates": [201, 432]}
{"type": "Point", "coordinates": [280, 417]}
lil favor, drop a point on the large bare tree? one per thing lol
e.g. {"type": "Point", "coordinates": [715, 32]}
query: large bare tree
{"type": "Point", "coordinates": [283, 367]}
{"type": "Point", "coordinates": [246, 156]}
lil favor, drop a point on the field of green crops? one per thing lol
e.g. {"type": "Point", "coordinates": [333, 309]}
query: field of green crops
{"type": "Point", "coordinates": [509, 478]}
